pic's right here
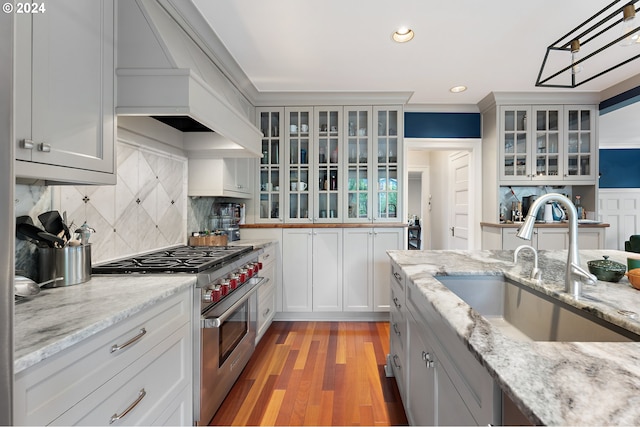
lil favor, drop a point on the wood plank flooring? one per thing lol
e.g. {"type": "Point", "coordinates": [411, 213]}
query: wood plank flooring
{"type": "Point", "coordinates": [316, 373]}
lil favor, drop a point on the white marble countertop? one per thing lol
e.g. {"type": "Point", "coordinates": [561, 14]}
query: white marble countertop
{"type": "Point", "coordinates": [553, 383]}
{"type": "Point", "coordinates": [58, 318]}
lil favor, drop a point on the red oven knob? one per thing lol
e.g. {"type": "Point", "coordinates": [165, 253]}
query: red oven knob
{"type": "Point", "coordinates": [233, 281]}
{"type": "Point", "coordinates": [225, 288]}
{"type": "Point", "coordinates": [249, 269]}
{"type": "Point", "coordinates": [259, 265]}
{"type": "Point", "coordinates": [242, 276]}
{"type": "Point", "coordinates": [256, 268]}
{"type": "Point", "coordinates": [216, 294]}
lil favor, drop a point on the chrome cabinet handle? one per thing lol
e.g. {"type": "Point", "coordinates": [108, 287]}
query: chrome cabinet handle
{"type": "Point", "coordinates": [395, 302]}
{"type": "Point", "coordinates": [395, 329]}
{"type": "Point", "coordinates": [44, 147]}
{"type": "Point", "coordinates": [427, 359]}
{"type": "Point", "coordinates": [395, 361]}
{"type": "Point", "coordinates": [27, 144]}
{"type": "Point", "coordinates": [266, 256]}
{"type": "Point", "coordinates": [264, 313]}
{"type": "Point", "coordinates": [115, 417]}
{"type": "Point", "coordinates": [397, 276]}
{"type": "Point", "coordinates": [117, 347]}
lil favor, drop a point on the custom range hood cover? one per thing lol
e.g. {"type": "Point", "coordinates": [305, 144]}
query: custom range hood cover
{"type": "Point", "coordinates": [163, 73]}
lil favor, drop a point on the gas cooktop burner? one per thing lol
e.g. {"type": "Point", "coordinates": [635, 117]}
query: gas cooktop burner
{"type": "Point", "coordinates": [182, 259]}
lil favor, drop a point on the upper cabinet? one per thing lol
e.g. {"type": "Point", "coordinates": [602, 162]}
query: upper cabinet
{"type": "Point", "coordinates": [330, 164]}
{"type": "Point", "coordinates": [547, 144]}
{"type": "Point", "coordinates": [64, 88]}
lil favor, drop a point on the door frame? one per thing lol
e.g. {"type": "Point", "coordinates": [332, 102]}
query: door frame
{"type": "Point", "coordinates": [425, 203]}
{"type": "Point", "coordinates": [474, 147]}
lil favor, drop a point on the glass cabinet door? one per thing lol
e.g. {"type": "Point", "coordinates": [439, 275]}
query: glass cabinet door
{"type": "Point", "coordinates": [547, 143]}
{"type": "Point", "coordinates": [387, 146]}
{"type": "Point", "coordinates": [298, 174]}
{"type": "Point", "coordinates": [328, 156]}
{"type": "Point", "coordinates": [270, 179]}
{"type": "Point", "coordinates": [580, 142]}
{"type": "Point", "coordinates": [356, 156]}
{"type": "Point", "coordinates": [514, 149]}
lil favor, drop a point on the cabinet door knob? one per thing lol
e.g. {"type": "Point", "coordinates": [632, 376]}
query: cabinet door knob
{"type": "Point", "coordinates": [27, 144]}
{"type": "Point", "coordinates": [44, 147]}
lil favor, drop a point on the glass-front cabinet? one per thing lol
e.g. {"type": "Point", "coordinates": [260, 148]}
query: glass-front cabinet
{"type": "Point", "coordinates": [546, 143]}
{"type": "Point", "coordinates": [327, 161]}
{"type": "Point", "coordinates": [271, 176]}
{"type": "Point", "coordinates": [388, 152]}
{"type": "Point", "coordinates": [328, 164]}
{"type": "Point", "coordinates": [298, 173]}
{"type": "Point", "coordinates": [357, 157]}
{"type": "Point", "coordinates": [581, 142]}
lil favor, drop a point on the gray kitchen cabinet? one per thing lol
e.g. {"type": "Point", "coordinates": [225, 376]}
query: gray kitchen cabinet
{"type": "Point", "coordinates": [542, 238]}
{"type": "Point", "coordinates": [366, 267]}
{"type": "Point", "coordinates": [440, 381]}
{"type": "Point", "coordinates": [398, 337]}
{"type": "Point", "coordinates": [312, 270]}
{"type": "Point", "coordinates": [267, 292]}
{"type": "Point", "coordinates": [548, 144]}
{"type": "Point", "coordinates": [90, 382]}
{"type": "Point", "coordinates": [64, 86]}
{"type": "Point", "coordinates": [230, 177]}
{"type": "Point", "coordinates": [330, 164]}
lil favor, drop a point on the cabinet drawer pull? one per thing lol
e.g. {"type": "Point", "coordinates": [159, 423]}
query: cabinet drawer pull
{"type": "Point", "coordinates": [395, 302]}
{"type": "Point", "coordinates": [397, 276]}
{"type": "Point", "coordinates": [266, 312]}
{"type": "Point", "coordinates": [395, 329]}
{"type": "Point", "coordinates": [27, 144]}
{"type": "Point", "coordinates": [395, 361]}
{"type": "Point", "coordinates": [115, 417]}
{"type": "Point", "coordinates": [44, 147]}
{"type": "Point", "coordinates": [117, 347]}
{"type": "Point", "coordinates": [427, 359]}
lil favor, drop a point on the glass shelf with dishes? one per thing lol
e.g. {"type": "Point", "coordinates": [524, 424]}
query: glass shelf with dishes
{"type": "Point", "coordinates": [270, 170]}
{"type": "Point", "coordinates": [327, 164]}
{"type": "Point", "coordinates": [357, 159]}
{"type": "Point", "coordinates": [388, 153]}
{"type": "Point", "coordinates": [299, 203]}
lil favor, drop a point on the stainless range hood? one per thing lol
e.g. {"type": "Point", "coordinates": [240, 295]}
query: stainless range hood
{"type": "Point", "coordinates": [163, 73]}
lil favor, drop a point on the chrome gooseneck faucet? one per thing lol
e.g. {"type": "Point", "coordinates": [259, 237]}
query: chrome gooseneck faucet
{"type": "Point", "coordinates": [536, 274]}
{"type": "Point", "coordinates": [575, 275]}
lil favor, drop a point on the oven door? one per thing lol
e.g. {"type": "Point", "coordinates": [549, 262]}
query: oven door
{"type": "Point", "coordinates": [227, 341]}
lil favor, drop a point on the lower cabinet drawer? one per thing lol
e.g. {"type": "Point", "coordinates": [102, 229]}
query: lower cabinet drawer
{"type": "Point", "coordinates": [266, 310]}
{"type": "Point", "coordinates": [46, 390]}
{"type": "Point", "coordinates": [139, 394]}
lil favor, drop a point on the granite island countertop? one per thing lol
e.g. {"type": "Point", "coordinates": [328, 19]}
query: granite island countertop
{"type": "Point", "coordinates": [553, 383]}
{"type": "Point", "coordinates": [57, 318]}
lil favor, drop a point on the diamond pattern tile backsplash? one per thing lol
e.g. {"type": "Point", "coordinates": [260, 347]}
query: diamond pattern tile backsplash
{"type": "Point", "coordinates": [146, 210]}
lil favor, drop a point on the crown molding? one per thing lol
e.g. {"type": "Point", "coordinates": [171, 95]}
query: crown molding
{"type": "Point", "coordinates": [269, 99]}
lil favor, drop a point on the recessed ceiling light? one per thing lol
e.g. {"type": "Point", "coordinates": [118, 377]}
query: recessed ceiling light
{"type": "Point", "coordinates": [402, 35]}
{"type": "Point", "coordinates": [458, 89]}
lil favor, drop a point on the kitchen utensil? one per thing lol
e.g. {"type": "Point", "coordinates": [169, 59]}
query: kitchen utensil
{"type": "Point", "coordinates": [52, 240]}
{"type": "Point", "coordinates": [71, 262]}
{"type": "Point", "coordinates": [85, 233]}
{"type": "Point", "coordinates": [52, 222]}
{"type": "Point", "coordinates": [606, 269]}
{"type": "Point", "coordinates": [25, 287]}
{"type": "Point", "coordinates": [634, 277]}
{"type": "Point", "coordinates": [27, 231]}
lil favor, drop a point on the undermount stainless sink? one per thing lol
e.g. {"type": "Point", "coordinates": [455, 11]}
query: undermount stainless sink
{"type": "Point", "coordinates": [525, 314]}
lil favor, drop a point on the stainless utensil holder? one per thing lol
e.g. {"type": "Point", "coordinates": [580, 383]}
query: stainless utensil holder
{"type": "Point", "coordinates": [73, 263]}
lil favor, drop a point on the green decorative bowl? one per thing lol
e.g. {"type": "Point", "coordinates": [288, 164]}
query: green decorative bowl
{"type": "Point", "coordinates": [607, 270]}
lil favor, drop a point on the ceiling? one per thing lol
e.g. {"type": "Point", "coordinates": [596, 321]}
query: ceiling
{"type": "Point", "coordinates": [345, 45]}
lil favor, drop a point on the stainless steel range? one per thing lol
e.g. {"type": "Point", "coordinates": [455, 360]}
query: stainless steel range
{"type": "Point", "coordinates": [225, 312]}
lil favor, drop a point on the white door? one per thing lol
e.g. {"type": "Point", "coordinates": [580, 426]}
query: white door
{"type": "Point", "coordinates": [459, 214]}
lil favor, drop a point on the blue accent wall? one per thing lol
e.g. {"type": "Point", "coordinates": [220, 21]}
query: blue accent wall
{"type": "Point", "coordinates": [620, 168]}
{"type": "Point", "coordinates": [442, 125]}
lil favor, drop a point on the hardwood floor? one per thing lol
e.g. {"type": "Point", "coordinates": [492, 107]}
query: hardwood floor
{"type": "Point", "coordinates": [316, 373]}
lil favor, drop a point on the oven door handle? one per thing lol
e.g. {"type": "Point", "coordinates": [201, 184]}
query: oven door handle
{"type": "Point", "coordinates": [215, 322]}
